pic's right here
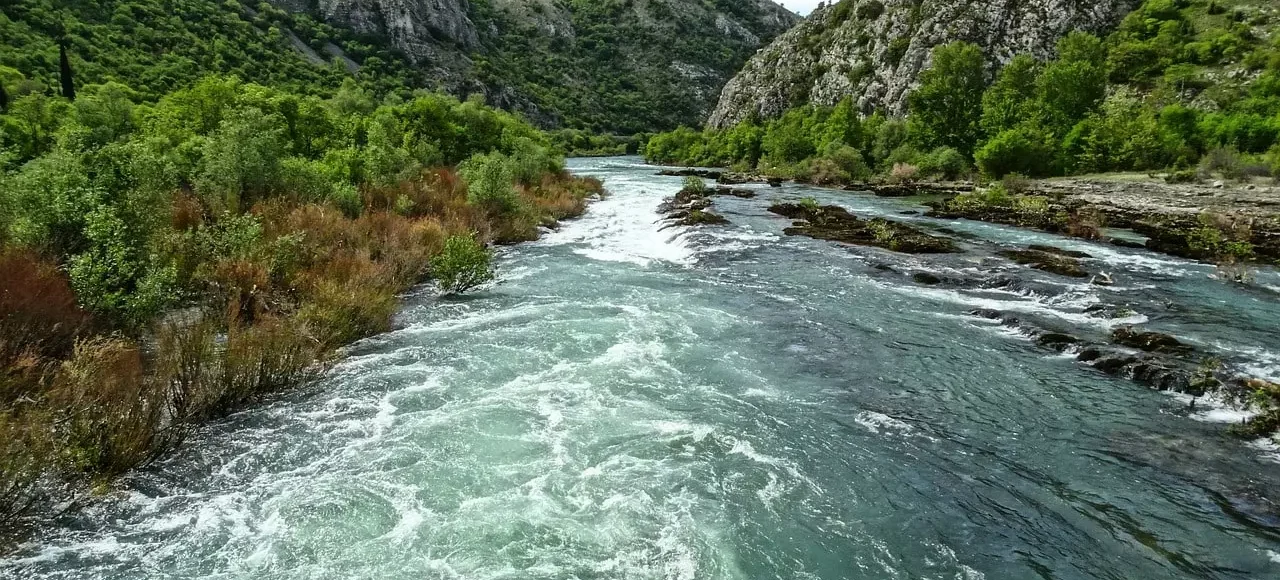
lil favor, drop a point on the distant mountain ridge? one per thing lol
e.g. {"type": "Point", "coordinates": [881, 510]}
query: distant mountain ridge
{"type": "Point", "coordinates": [603, 66]}
{"type": "Point", "coordinates": [661, 62]}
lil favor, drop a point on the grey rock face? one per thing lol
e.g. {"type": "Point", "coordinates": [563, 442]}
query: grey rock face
{"type": "Point", "coordinates": [874, 50]}
{"type": "Point", "coordinates": [417, 27]}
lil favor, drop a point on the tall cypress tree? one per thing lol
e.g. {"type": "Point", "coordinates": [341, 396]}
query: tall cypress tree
{"type": "Point", "coordinates": [4, 98]}
{"type": "Point", "coordinates": [64, 73]}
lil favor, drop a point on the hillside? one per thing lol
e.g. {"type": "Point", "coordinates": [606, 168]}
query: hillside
{"type": "Point", "coordinates": [615, 66]}
{"type": "Point", "coordinates": [874, 50]}
{"type": "Point", "coordinates": [1175, 84]}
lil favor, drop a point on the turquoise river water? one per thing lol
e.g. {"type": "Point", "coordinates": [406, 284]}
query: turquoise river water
{"type": "Point", "coordinates": [631, 402]}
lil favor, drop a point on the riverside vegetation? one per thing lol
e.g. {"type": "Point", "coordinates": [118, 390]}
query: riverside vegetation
{"type": "Point", "coordinates": [169, 261]}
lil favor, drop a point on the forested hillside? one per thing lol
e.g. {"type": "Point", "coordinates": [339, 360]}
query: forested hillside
{"type": "Point", "coordinates": [615, 66]}
{"type": "Point", "coordinates": [1179, 84]}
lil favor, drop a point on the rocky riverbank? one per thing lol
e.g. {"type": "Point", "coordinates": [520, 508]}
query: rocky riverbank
{"type": "Point", "coordinates": [1211, 222]}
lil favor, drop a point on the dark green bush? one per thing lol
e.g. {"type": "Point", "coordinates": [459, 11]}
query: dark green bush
{"type": "Point", "coordinates": [1016, 151]}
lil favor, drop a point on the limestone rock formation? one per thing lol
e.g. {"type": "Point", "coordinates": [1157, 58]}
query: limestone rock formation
{"type": "Point", "coordinates": [874, 50]}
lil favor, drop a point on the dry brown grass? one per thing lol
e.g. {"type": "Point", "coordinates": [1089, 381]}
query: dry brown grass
{"type": "Point", "coordinates": [110, 413]}
{"type": "Point", "coordinates": [39, 322]}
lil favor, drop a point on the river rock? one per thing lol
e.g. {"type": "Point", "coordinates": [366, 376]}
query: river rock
{"type": "Point", "coordinates": [834, 223]}
{"type": "Point", "coordinates": [1057, 341]}
{"type": "Point", "coordinates": [688, 207]}
{"type": "Point", "coordinates": [1148, 341]}
{"type": "Point", "coordinates": [926, 279]}
{"type": "Point", "coordinates": [1048, 262]}
{"type": "Point", "coordinates": [1058, 251]}
{"type": "Point", "coordinates": [691, 172]}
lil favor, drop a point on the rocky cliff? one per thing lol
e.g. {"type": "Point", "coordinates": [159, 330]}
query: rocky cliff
{"type": "Point", "coordinates": [874, 50]}
{"type": "Point", "coordinates": [605, 65]}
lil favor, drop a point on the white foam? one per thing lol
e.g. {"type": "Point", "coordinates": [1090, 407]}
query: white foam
{"type": "Point", "coordinates": [624, 228]}
{"type": "Point", "coordinates": [1034, 305]}
{"type": "Point", "coordinates": [1269, 448]}
{"type": "Point", "coordinates": [1212, 408]}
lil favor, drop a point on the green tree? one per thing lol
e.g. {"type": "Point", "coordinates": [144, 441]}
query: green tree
{"type": "Point", "coordinates": [947, 107]}
{"type": "Point", "coordinates": [490, 183]}
{"type": "Point", "coordinates": [241, 160]}
{"type": "Point", "coordinates": [1074, 85]}
{"type": "Point", "coordinates": [1009, 101]}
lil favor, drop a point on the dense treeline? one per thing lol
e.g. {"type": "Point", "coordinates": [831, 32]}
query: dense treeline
{"type": "Point", "coordinates": [166, 262]}
{"type": "Point", "coordinates": [1180, 83]}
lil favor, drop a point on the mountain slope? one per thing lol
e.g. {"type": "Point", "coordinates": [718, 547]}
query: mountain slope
{"type": "Point", "coordinates": [620, 66]}
{"type": "Point", "coordinates": [874, 50]}
{"type": "Point", "coordinates": [605, 65]}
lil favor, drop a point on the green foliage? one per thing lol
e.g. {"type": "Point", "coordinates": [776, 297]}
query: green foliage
{"type": "Point", "coordinates": [463, 265]}
{"type": "Point", "coordinates": [158, 46]}
{"type": "Point", "coordinates": [944, 162]}
{"type": "Point", "coordinates": [947, 107]}
{"type": "Point", "coordinates": [1010, 100]}
{"type": "Point", "coordinates": [490, 181]}
{"type": "Point", "coordinates": [694, 184]}
{"type": "Point", "coordinates": [1174, 83]}
{"type": "Point", "coordinates": [1016, 151]}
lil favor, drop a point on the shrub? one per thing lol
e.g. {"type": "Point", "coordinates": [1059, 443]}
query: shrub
{"type": "Point", "coordinates": [944, 162]}
{"type": "Point", "coordinates": [490, 183]}
{"type": "Point", "coordinates": [694, 184]}
{"type": "Point", "coordinates": [25, 453]}
{"type": "Point", "coordinates": [1015, 151]}
{"type": "Point", "coordinates": [824, 171]}
{"type": "Point", "coordinates": [268, 356]}
{"type": "Point", "coordinates": [111, 413]}
{"type": "Point", "coordinates": [1223, 160]}
{"type": "Point", "coordinates": [869, 10]}
{"type": "Point", "coordinates": [1016, 184]}
{"type": "Point", "coordinates": [463, 265]}
{"type": "Point", "coordinates": [38, 312]}
{"type": "Point", "coordinates": [904, 173]}
{"type": "Point", "coordinates": [850, 160]}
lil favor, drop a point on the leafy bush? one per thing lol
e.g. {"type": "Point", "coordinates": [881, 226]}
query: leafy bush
{"type": "Point", "coordinates": [490, 183]}
{"type": "Point", "coordinates": [1016, 184]}
{"type": "Point", "coordinates": [1015, 151]}
{"type": "Point", "coordinates": [944, 162]}
{"type": "Point", "coordinates": [463, 265]}
{"type": "Point", "coordinates": [695, 184]}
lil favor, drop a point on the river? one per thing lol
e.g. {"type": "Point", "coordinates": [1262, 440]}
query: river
{"type": "Point", "coordinates": [726, 403]}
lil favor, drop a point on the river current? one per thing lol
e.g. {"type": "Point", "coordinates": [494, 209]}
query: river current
{"type": "Point", "coordinates": [631, 402]}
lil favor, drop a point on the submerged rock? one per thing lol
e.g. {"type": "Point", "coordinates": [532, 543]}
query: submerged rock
{"type": "Point", "coordinates": [834, 223]}
{"type": "Point", "coordinates": [1049, 262]}
{"type": "Point", "coordinates": [1058, 251]}
{"type": "Point", "coordinates": [1148, 341]}
{"type": "Point", "coordinates": [735, 192]}
{"type": "Point", "coordinates": [926, 278]}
